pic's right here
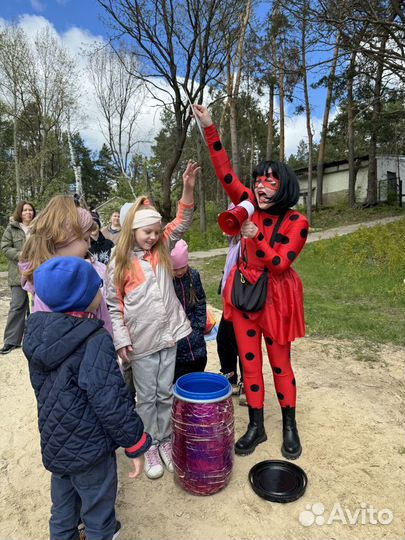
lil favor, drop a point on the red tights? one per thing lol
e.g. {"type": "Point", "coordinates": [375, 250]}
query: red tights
{"type": "Point", "coordinates": [249, 337]}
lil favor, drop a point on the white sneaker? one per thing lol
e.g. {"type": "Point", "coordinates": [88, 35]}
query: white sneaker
{"type": "Point", "coordinates": [153, 466]}
{"type": "Point", "coordinates": [165, 451]}
{"type": "Point", "coordinates": [117, 530]}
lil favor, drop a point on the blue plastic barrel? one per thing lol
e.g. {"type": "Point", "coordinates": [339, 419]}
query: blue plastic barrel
{"type": "Point", "coordinates": [203, 432]}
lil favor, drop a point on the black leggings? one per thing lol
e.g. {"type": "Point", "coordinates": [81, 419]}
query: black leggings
{"type": "Point", "coordinates": [228, 350]}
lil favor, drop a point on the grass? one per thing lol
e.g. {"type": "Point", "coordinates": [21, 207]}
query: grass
{"type": "Point", "coordinates": [336, 216]}
{"type": "Point", "coordinates": [354, 286]}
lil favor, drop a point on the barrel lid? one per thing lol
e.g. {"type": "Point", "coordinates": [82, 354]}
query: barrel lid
{"type": "Point", "coordinates": [278, 480]}
{"type": "Point", "coordinates": [202, 387]}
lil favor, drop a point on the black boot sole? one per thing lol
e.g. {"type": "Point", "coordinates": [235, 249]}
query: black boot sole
{"type": "Point", "coordinates": [289, 455]}
{"type": "Point", "coordinates": [251, 449]}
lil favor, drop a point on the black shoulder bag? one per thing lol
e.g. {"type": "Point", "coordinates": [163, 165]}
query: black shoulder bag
{"type": "Point", "coordinates": [251, 297]}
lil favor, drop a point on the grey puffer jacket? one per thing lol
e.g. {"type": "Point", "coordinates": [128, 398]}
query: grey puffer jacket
{"type": "Point", "coordinates": [12, 242]}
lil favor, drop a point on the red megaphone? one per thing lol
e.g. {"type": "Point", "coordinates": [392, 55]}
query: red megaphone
{"type": "Point", "coordinates": [231, 221]}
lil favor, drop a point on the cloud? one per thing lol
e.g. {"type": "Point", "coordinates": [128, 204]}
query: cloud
{"type": "Point", "coordinates": [296, 131]}
{"type": "Point", "coordinates": [76, 41]}
{"type": "Point", "coordinates": [37, 5]}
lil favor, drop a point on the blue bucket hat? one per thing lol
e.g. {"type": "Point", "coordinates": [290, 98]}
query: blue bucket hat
{"type": "Point", "coordinates": [66, 284]}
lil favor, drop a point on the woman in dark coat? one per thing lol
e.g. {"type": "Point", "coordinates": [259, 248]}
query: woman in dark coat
{"type": "Point", "coordinates": [11, 244]}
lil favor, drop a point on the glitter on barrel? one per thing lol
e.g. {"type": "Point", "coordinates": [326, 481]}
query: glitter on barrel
{"type": "Point", "coordinates": [203, 432]}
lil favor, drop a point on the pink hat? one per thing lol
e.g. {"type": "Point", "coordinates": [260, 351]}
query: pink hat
{"type": "Point", "coordinates": [180, 255]}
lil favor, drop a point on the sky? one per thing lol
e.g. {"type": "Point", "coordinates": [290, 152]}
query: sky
{"type": "Point", "coordinates": [80, 23]}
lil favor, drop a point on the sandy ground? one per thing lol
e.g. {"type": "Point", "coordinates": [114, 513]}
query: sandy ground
{"type": "Point", "coordinates": [351, 425]}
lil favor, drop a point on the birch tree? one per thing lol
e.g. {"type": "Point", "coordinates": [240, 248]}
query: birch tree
{"type": "Point", "coordinates": [120, 97]}
{"type": "Point", "coordinates": [51, 81]}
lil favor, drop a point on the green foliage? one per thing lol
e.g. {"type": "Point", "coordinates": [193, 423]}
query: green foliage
{"type": "Point", "coordinates": [213, 237]}
{"type": "Point", "coordinates": [391, 129]}
{"type": "Point", "coordinates": [339, 215]}
{"type": "Point", "coordinates": [377, 249]}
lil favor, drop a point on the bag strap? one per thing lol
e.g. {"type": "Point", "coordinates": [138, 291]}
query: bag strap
{"type": "Point", "coordinates": [277, 228]}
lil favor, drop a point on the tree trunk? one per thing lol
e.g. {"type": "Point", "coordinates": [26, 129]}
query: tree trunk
{"type": "Point", "coordinates": [233, 122]}
{"type": "Point", "coordinates": [282, 135]}
{"type": "Point", "coordinates": [221, 194]}
{"type": "Point", "coordinates": [167, 177]}
{"type": "Point", "coordinates": [374, 123]}
{"type": "Point", "coordinates": [350, 132]}
{"type": "Point", "coordinates": [270, 125]}
{"type": "Point", "coordinates": [233, 94]}
{"type": "Point", "coordinates": [76, 168]}
{"type": "Point", "coordinates": [307, 108]}
{"type": "Point", "coordinates": [16, 161]}
{"type": "Point", "coordinates": [201, 192]}
{"type": "Point", "coordinates": [324, 132]}
{"type": "Point", "coordinates": [147, 179]}
{"type": "Point", "coordinates": [42, 162]}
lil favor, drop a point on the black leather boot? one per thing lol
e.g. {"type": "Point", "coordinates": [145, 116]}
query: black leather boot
{"type": "Point", "coordinates": [254, 435]}
{"type": "Point", "coordinates": [291, 448]}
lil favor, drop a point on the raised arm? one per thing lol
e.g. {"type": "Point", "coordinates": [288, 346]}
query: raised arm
{"type": "Point", "coordinates": [236, 191]}
{"type": "Point", "coordinates": [185, 209]}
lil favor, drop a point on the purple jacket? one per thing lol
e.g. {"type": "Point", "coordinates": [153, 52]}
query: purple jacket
{"type": "Point", "coordinates": [231, 260]}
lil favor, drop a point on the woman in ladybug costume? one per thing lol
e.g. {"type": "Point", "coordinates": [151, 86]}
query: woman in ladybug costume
{"type": "Point", "coordinates": [273, 238]}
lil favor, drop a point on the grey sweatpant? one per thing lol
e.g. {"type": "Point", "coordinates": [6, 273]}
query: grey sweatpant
{"type": "Point", "coordinates": [15, 324]}
{"type": "Point", "coordinates": [153, 379]}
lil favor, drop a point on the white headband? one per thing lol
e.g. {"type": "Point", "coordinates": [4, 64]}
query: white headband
{"type": "Point", "coordinates": [146, 217]}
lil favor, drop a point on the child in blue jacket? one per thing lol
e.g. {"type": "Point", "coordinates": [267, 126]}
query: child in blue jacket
{"type": "Point", "coordinates": [84, 409]}
{"type": "Point", "coordinates": [191, 355]}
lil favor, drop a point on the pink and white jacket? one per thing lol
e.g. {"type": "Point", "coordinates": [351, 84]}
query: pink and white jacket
{"type": "Point", "coordinates": [149, 315]}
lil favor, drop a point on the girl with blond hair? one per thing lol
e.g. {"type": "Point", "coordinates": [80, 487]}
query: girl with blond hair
{"type": "Point", "coordinates": [147, 317]}
{"type": "Point", "coordinates": [61, 229]}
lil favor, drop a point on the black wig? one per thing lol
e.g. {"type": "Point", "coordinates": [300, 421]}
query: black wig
{"type": "Point", "coordinates": [289, 190]}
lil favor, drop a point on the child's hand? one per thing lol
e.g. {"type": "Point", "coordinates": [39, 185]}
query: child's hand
{"type": "Point", "coordinates": [137, 464]}
{"type": "Point", "coordinates": [202, 114]}
{"type": "Point", "coordinates": [123, 353]}
{"type": "Point", "coordinates": [190, 175]}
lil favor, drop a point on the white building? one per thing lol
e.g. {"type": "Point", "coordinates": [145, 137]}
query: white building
{"type": "Point", "coordinates": [390, 175]}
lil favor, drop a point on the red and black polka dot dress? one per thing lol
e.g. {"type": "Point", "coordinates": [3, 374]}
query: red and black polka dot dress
{"type": "Point", "coordinates": [282, 318]}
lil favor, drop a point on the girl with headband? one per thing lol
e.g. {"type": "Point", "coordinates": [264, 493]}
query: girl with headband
{"type": "Point", "coordinates": [147, 317]}
{"type": "Point", "coordinates": [271, 241]}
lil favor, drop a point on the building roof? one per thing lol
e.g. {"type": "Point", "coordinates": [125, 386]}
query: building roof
{"type": "Point", "coordinates": [330, 164]}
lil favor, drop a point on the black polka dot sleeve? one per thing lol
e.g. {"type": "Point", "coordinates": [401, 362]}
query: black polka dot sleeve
{"type": "Point", "coordinates": [287, 245]}
{"type": "Point", "coordinates": [236, 191]}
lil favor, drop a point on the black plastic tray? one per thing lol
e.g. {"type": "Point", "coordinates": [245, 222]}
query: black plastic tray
{"type": "Point", "coordinates": [278, 481]}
